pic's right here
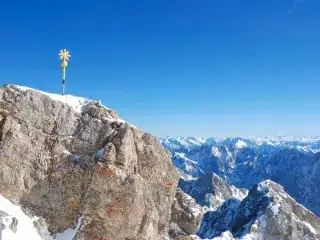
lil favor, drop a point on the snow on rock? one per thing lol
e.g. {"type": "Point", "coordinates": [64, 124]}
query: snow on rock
{"type": "Point", "coordinates": [69, 233]}
{"type": "Point", "coordinates": [267, 212]}
{"type": "Point", "coordinates": [240, 144]}
{"type": "Point", "coordinates": [77, 103]}
{"type": "Point", "coordinates": [275, 209]}
{"type": "Point", "coordinates": [224, 236]}
{"type": "Point", "coordinates": [215, 152]}
{"type": "Point", "coordinates": [16, 225]}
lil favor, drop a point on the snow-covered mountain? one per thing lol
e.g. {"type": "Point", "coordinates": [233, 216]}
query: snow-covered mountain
{"type": "Point", "coordinates": [268, 212]}
{"type": "Point", "coordinates": [302, 144]}
{"type": "Point", "coordinates": [292, 162]}
{"type": "Point", "coordinates": [211, 191]}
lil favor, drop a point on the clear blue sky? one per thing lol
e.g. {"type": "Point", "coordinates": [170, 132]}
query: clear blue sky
{"type": "Point", "coordinates": [175, 67]}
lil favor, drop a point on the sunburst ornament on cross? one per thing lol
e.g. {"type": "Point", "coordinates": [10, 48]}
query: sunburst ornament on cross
{"type": "Point", "coordinates": [64, 55]}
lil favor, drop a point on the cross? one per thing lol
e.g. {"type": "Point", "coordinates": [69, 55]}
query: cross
{"type": "Point", "coordinates": [64, 55]}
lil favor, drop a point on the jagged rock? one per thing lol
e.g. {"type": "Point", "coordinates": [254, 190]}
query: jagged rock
{"type": "Point", "coordinates": [214, 223]}
{"type": "Point", "coordinates": [48, 163]}
{"type": "Point", "coordinates": [96, 110]}
{"type": "Point", "coordinates": [186, 215]}
{"type": "Point", "coordinates": [210, 190]}
{"type": "Point", "coordinates": [109, 153]}
{"type": "Point", "coordinates": [42, 229]}
{"type": "Point", "coordinates": [268, 212]}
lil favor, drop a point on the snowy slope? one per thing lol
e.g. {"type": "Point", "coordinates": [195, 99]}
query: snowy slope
{"type": "Point", "coordinates": [16, 224]}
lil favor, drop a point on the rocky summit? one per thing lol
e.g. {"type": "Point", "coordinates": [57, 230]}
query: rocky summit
{"type": "Point", "coordinates": [73, 165]}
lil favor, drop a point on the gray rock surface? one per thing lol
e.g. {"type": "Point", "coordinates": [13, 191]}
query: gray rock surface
{"type": "Point", "coordinates": [186, 215]}
{"type": "Point", "coordinates": [62, 164]}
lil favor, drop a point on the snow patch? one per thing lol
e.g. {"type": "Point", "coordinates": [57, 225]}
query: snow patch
{"type": "Point", "coordinates": [25, 227]}
{"type": "Point", "coordinates": [240, 144]}
{"type": "Point", "coordinates": [275, 209]}
{"type": "Point", "coordinates": [310, 227]}
{"type": "Point", "coordinates": [215, 152]}
{"type": "Point", "coordinates": [224, 236]}
{"type": "Point", "coordinates": [69, 233]}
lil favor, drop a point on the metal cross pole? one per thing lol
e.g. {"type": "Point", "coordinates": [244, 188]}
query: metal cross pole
{"type": "Point", "coordinates": [64, 56]}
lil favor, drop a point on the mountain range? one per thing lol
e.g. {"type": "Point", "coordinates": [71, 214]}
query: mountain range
{"type": "Point", "coordinates": [293, 162]}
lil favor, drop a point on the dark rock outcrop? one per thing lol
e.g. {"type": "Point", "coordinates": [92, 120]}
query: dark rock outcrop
{"type": "Point", "coordinates": [211, 191]}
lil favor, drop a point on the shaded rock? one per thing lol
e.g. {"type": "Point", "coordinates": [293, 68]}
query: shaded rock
{"type": "Point", "coordinates": [210, 190]}
{"type": "Point", "coordinates": [214, 223]}
{"type": "Point", "coordinates": [186, 215]}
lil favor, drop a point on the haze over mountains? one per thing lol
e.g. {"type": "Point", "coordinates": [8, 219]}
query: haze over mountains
{"type": "Point", "coordinates": [293, 162]}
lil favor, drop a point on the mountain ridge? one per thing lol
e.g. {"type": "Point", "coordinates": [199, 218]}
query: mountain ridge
{"type": "Point", "coordinates": [243, 163]}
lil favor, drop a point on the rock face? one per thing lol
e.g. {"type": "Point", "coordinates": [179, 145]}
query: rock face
{"type": "Point", "coordinates": [268, 212]}
{"type": "Point", "coordinates": [65, 158]}
{"type": "Point", "coordinates": [186, 215]}
{"type": "Point", "coordinates": [211, 191]}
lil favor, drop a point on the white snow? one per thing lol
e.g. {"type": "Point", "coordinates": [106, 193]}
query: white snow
{"type": "Point", "coordinates": [263, 185]}
{"type": "Point", "coordinates": [275, 209]}
{"type": "Point", "coordinates": [196, 210]}
{"type": "Point", "coordinates": [25, 227]}
{"type": "Point", "coordinates": [69, 233]}
{"type": "Point", "coordinates": [77, 103]}
{"type": "Point", "coordinates": [183, 156]}
{"type": "Point", "coordinates": [240, 144]}
{"type": "Point", "coordinates": [215, 152]}
{"type": "Point", "coordinates": [236, 193]}
{"type": "Point", "coordinates": [224, 236]}
{"type": "Point", "coordinates": [310, 227]}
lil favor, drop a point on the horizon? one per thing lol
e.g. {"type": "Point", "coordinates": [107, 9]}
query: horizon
{"type": "Point", "coordinates": [211, 68]}
{"type": "Point", "coordinates": [265, 137]}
